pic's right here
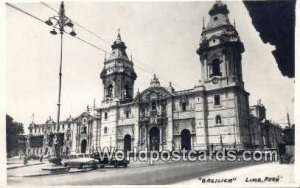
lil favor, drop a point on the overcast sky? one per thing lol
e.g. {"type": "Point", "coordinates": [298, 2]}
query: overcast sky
{"type": "Point", "coordinates": [162, 37]}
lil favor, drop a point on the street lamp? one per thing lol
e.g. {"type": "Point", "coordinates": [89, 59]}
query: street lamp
{"type": "Point", "coordinates": [221, 141]}
{"type": "Point", "coordinates": [59, 22]}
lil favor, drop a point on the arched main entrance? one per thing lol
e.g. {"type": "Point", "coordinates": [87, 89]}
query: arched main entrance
{"type": "Point", "coordinates": [83, 146]}
{"type": "Point", "coordinates": [154, 139]}
{"type": "Point", "coordinates": [127, 143]}
{"type": "Point", "coordinates": [185, 139]}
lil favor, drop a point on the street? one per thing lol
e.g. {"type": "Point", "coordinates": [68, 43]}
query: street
{"type": "Point", "coordinates": [281, 175]}
{"type": "Point", "coordinates": [151, 175]}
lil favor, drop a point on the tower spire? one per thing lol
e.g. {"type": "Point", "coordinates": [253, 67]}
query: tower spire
{"type": "Point", "coordinates": [33, 118]}
{"type": "Point", "coordinates": [94, 104]}
{"type": "Point", "coordinates": [234, 24]}
{"type": "Point", "coordinates": [119, 35]}
{"type": "Point", "coordinates": [288, 117]}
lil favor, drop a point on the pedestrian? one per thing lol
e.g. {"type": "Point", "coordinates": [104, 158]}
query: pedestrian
{"type": "Point", "coordinates": [25, 160]}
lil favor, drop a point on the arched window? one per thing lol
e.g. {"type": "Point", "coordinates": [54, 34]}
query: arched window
{"type": "Point", "coordinates": [153, 106]}
{"type": "Point", "coordinates": [127, 92]}
{"type": "Point", "coordinates": [109, 90]}
{"type": "Point", "coordinates": [215, 66]}
{"type": "Point", "coordinates": [218, 119]}
{"type": "Point", "coordinates": [105, 130]}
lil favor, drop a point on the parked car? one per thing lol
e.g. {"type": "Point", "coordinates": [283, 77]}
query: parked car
{"type": "Point", "coordinates": [106, 160]}
{"type": "Point", "coordinates": [284, 159]}
{"type": "Point", "coordinates": [80, 161]}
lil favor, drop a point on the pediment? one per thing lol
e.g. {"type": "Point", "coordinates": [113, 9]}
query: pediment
{"type": "Point", "coordinates": [84, 115]}
{"type": "Point", "coordinates": [153, 93]}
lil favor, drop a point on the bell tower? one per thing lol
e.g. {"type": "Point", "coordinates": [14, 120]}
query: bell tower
{"type": "Point", "coordinates": [118, 74]}
{"type": "Point", "coordinates": [220, 50]}
{"type": "Point", "coordinates": [227, 122]}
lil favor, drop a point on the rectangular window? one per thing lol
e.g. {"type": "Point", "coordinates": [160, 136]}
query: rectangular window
{"type": "Point", "coordinates": [127, 113]}
{"type": "Point", "coordinates": [164, 109]}
{"type": "Point", "coordinates": [143, 111]}
{"type": "Point", "coordinates": [105, 115]}
{"type": "Point", "coordinates": [217, 100]}
{"type": "Point", "coordinates": [183, 107]}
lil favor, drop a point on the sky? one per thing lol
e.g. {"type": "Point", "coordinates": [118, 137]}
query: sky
{"type": "Point", "coordinates": [161, 36]}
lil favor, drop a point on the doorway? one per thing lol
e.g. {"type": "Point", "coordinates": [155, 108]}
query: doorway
{"type": "Point", "coordinates": [185, 139]}
{"type": "Point", "coordinates": [154, 139]}
{"type": "Point", "coordinates": [127, 143]}
{"type": "Point", "coordinates": [83, 146]}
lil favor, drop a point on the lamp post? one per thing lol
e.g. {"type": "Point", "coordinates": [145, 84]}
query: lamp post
{"type": "Point", "coordinates": [59, 22]}
{"type": "Point", "coordinates": [221, 141]}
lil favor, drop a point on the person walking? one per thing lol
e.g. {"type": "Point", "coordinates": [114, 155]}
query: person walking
{"type": "Point", "coordinates": [25, 160]}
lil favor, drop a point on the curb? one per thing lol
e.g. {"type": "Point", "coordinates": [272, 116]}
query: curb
{"type": "Point", "coordinates": [77, 171]}
{"type": "Point", "coordinates": [37, 175]}
{"type": "Point", "coordinates": [14, 167]}
{"type": "Point", "coordinates": [80, 171]}
{"type": "Point", "coordinates": [154, 164]}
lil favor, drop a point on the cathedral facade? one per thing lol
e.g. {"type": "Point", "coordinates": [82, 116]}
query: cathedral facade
{"type": "Point", "coordinates": [212, 114]}
{"type": "Point", "coordinates": [215, 114]}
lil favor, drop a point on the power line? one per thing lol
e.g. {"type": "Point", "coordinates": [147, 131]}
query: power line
{"type": "Point", "coordinates": [45, 4]}
{"type": "Point", "coordinates": [80, 39]}
{"type": "Point", "coordinates": [23, 11]}
{"type": "Point", "coordinates": [92, 33]}
{"type": "Point", "coordinates": [84, 28]}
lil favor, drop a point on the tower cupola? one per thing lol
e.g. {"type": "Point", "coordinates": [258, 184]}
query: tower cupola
{"type": "Point", "coordinates": [218, 8]}
{"type": "Point", "coordinates": [220, 49]}
{"type": "Point", "coordinates": [118, 49]}
{"type": "Point", "coordinates": [118, 74]}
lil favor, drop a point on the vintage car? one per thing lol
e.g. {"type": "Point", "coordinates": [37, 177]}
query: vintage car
{"type": "Point", "coordinates": [80, 161]}
{"type": "Point", "coordinates": [106, 160]}
{"type": "Point", "coordinates": [284, 159]}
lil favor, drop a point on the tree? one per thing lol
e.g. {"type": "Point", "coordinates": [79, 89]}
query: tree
{"type": "Point", "coordinates": [13, 134]}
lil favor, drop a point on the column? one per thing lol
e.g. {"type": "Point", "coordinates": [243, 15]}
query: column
{"type": "Point", "coordinates": [160, 138]}
{"type": "Point", "coordinates": [205, 69]}
{"type": "Point", "coordinates": [146, 136]}
{"type": "Point", "coordinates": [225, 69]}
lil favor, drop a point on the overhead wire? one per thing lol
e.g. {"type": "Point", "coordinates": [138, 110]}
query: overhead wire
{"type": "Point", "coordinates": [25, 12]}
{"type": "Point", "coordinates": [101, 38]}
{"type": "Point", "coordinates": [80, 39]}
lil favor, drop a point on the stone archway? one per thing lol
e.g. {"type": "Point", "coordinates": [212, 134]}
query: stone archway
{"type": "Point", "coordinates": [185, 139]}
{"type": "Point", "coordinates": [127, 143]}
{"type": "Point", "coordinates": [83, 146]}
{"type": "Point", "coordinates": [154, 139]}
